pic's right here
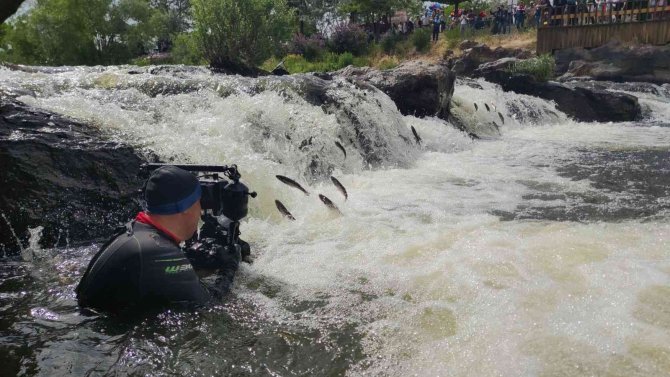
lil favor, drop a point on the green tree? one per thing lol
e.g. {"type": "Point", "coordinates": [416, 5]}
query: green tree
{"type": "Point", "coordinates": [238, 35]}
{"type": "Point", "coordinates": [80, 32]}
{"type": "Point", "coordinates": [311, 12]}
{"type": "Point", "coordinates": [187, 50]}
{"type": "Point", "coordinates": [374, 11]}
{"type": "Point", "coordinates": [172, 18]}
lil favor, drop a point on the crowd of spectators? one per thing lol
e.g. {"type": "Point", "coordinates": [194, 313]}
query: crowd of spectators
{"type": "Point", "coordinates": [520, 16]}
{"type": "Point", "coordinates": [500, 20]}
{"type": "Point", "coordinates": [585, 12]}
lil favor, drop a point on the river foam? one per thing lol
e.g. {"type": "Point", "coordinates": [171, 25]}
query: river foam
{"type": "Point", "coordinates": [511, 256]}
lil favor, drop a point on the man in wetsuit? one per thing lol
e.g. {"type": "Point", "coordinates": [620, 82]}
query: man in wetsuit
{"type": "Point", "coordinates": [143, 266]}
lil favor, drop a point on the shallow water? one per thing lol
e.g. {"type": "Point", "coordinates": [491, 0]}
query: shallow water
{"type": "Point", "coordinates": [540, 251]}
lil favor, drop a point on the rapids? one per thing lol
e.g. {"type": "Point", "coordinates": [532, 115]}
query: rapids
{"type": "Point", "coordinates": [542, 249]}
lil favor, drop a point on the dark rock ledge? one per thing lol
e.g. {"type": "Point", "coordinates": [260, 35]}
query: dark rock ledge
{"type": "Point", "coordinates": [62, 175]}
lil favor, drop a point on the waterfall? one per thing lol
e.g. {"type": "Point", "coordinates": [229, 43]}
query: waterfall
{"type": "Point", "coordinates": [541, 248]}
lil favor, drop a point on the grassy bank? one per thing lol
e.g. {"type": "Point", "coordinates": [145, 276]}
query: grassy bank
{"type": "Point", "coordinates": [389, 52]}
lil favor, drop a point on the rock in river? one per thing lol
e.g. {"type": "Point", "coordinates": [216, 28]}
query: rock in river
{"type": "Point", "coordinates": [62, 175]}
{"type": "Point", "coordinates": [417, 88]}
{"type": "Point", "coordinates": [582, 103]}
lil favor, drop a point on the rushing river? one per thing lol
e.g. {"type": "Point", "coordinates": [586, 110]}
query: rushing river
{"type": "Point", "coordinates": [542, 251]}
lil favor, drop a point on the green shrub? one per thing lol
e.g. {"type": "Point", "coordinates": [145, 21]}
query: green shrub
{"type": "Point", "coordinates": [186, 50]}
{"type": "Point", "coordinates": [453, 38]}
{"type": "Point", "coordinates": [310, 47]}
{"type": "Point", "coordinates": [297, 64]}
{"type": "Point", "coordinates": [421, 39]}
{"type": "Point", "coordinates": [389, 42]}
{"type": "Point", "coordinates": [328, 62]}
{"type": "Point", "coordinates": [361, 61]}
{"type": "Point", "coordinates": [349, 38]}
{"type": "Point", "coordinates": [404, 48]}
{"type": "Point", "coordinates": [345, 59]}
{"type": "Point", "coordinates": [387, 62]}
{"type": "Point", "coordinates": [541, 68]}
{"type": "Point", "coordinates": [236, 34]}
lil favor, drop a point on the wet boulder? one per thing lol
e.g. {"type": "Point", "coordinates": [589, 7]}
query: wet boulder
{"type": "Point", "coordinates": [504, 64]}
{"type": "Point", "coordinates": [583, 103]}
{"type": "Point", "coordinates": [615, 62]}
{"type": "Point", "coordinates": [62, 175]}
{"type": "Point", "coordinates": [473, 57]}
{"type": "Point", "coordinates": [417, 88]}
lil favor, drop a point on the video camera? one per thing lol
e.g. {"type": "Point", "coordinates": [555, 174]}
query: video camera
{"type": "Point", "coordinates": [224, 203]}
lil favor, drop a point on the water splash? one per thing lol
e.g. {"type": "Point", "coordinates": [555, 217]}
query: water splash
{"type": "Point", "coordinates": [11, 230]}
{"type": "Point", "coordinates": [420, 265]}
{"type": "Point", "coordinates": [29, 253]}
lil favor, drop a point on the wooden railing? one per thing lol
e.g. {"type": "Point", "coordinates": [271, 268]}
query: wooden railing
{"type": "Point", "coordinates": [611, 12]}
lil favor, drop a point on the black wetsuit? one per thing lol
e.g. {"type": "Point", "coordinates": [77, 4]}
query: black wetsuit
{"type": "Point", "coordinates": [142, 268]}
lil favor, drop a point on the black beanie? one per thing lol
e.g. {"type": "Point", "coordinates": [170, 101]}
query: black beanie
{"type": "Point", "coordinates": [171, 190]}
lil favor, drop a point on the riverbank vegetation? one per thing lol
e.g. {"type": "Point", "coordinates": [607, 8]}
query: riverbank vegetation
{"type": "Point", "coordinates": [234, 36]}
{"type": "Point", "coordinates": [541, 68]}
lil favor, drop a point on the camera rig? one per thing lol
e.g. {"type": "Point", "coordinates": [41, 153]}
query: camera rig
{"type": "Point", "coordinates": [224, 202]}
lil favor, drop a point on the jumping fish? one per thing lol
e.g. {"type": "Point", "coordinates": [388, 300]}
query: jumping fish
{"type": "Point", "coordinates": [282, 209]}
{"type": "Point", "coordinates": [329, 203]}
{"type": "Point", "coordinates": [494, 106]}
{"type": "Point", "coordinates": [288, 181]}
{"type": "Point", "coordinates": [341, 148]}
{"type": "Point", "coordinates": [416, 135]}
{"type": "Point", "coordinates": [497, 128]}
{"type": "Point", "coordinates": [476, 107]}
{"type": "Point", "coordinates": [501, 117]}
{"type": "Point", "coordinates": [340, 187]}
{"type": "Point", "coordinates": [487, 107]}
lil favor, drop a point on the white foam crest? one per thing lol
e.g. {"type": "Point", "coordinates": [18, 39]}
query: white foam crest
{"type": "Point", "coordinates": [604, 135]}
{"type": "Point", "coordinates": [439, 136]}
{"type": "Point", "coordinates": [517, 110]}
{"type": "Point", "coordinates": [655, 98]}
{"type": "Point", "coordinates": [437, 284]}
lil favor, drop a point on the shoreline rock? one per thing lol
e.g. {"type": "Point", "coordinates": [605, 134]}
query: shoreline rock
{"type": "Point", "coordinates": [62, 175]}
{"type": "Point", "coordinates": [615, 62]}
{"type": "Point", "coordinates": [417, 88]}
{"type": "Point", "coordinates": [579, 102]}
{"type": "Point", "coordinates": [479, 54]}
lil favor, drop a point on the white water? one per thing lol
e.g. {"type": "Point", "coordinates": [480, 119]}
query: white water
{"type": "Point", "coordinates": [437, 284]}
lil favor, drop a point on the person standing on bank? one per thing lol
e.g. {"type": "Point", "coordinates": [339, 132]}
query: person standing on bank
{"type": "Point", "coordinates": [143, 267]}
{"type": "Point", "coordinates": [436, 27]}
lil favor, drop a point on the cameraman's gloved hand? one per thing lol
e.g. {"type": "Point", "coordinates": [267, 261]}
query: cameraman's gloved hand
{"type": "Point", "coordinates": [228, 260]}
{"type": "Point", "coordinates": [228, 256]}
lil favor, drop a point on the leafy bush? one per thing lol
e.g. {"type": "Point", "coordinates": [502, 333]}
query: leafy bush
{"type": "Point", "coordinates": [541, 68]}
{"type": "Point", "coordinates": [309, 47]}
{"type": "Point", "coordinates": [349, 38]}
{"type": "Point", "coordinates": [453, 38]}
{"type": "Point", "coordinates": [361, 61]}
{"type": "Point", "coordinates": [74, 32]}
{"type": "Point", "coordinates": [404, 48]}
{"type": "Point", "coordinates": [345, 59]}
{"type": "Point", "coordinates": [387, 62]}
{"type": "Point", "coordinates": [329, 61]}
{"type": "Point", "coordinates": [186, 50]}
{"type": "Point", "coordinates": [237, 34]}
{"type": "Point", "coordinates": [421, 39]}
{"type": "Point", "coordinates": [389, 42]}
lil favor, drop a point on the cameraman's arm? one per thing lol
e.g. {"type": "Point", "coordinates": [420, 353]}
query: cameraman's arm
{"type": "Point", "coordinates": [209, 258]}
{"type": "Point", "coordinates": [229, 263]}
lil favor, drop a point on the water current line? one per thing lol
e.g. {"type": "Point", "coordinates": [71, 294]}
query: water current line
{"type": "Point", "coordinates": [11, 229]}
